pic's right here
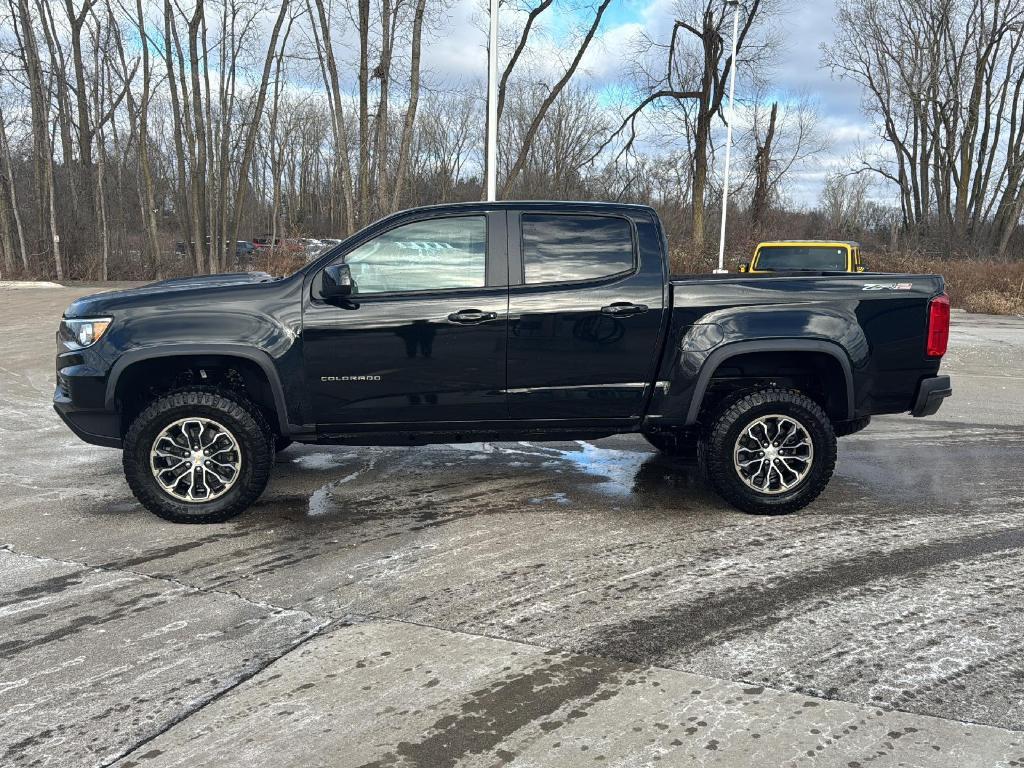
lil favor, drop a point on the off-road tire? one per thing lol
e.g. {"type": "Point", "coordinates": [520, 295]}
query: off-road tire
{"type": "Point", "coordinates": [717, 442]}
{"type": "Point", "coordinates": [245, 422]}
{"type": "Point", "coordinates": [851, 427]}
{"type": "Point", "coordinates": [678, 444]}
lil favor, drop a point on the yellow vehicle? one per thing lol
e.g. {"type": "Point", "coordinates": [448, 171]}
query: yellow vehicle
{"type": "Point", "coordinates": [806, 255]}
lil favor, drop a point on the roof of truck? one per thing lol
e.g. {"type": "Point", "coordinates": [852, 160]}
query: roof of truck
{"type": "Point", "coordinates": [770, 243]}
{"type": "Point", "coordinates": [484, 205]}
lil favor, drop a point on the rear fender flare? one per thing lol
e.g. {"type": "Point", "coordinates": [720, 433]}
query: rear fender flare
{"type": "Point", "coordinates": [722, 354]}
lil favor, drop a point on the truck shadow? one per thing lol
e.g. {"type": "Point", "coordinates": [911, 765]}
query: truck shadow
{"type": "Point", "coordinates": [451, 481]}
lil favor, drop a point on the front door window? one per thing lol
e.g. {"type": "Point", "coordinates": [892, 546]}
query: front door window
{"type": "Point", "coordinates": [425, 256]}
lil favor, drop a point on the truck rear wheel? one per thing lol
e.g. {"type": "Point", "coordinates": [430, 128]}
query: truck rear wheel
{"type": "Point", "coordinates": [198, 455]}
{"type": "Point", "coordinates": [768, 452]}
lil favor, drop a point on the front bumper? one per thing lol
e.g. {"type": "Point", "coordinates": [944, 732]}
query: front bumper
{"type": "Point", "coordinates": [93, 426]}
{"type": "Point", "coordinates": [930, 394]}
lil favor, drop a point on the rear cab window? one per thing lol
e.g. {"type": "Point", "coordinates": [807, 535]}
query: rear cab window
{"type": "Point", "coordinates": [565, 248]}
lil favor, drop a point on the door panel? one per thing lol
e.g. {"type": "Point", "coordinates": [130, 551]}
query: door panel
{"type": "Point", "coordinates": [583, 349]}
{"type": "Point", "coordinates": [404, 360]}
{"type": "Point", "coordinates": [424, 337]}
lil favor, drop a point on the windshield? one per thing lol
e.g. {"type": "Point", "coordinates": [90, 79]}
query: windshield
{"type": "Point", "coordinates": [787, 258]}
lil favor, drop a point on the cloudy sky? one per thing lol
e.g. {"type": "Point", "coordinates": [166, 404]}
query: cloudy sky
{"type": "Point", "coordinates": [458, 51]}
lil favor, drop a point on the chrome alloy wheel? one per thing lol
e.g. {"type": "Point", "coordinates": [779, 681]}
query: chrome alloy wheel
{"type": "Point", "coordinates": [773, 454]}
{"type": "Point", "coordinates": [195, 460]}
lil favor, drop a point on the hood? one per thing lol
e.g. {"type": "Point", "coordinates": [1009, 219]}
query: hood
{"type": "Point", "coordinates": [111, 300]}
{"type": "Point", "coordinates": [207, 281]}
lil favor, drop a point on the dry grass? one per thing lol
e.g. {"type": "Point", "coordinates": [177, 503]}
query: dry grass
{"type": "Point", "coordinates": [977, 285]}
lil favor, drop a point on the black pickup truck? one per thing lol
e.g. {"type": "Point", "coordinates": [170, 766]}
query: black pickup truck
{"type": "Point", "coordinates": [509, 321]}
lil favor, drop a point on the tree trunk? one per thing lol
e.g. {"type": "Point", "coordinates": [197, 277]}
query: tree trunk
{"type": "Point", "coordinates": [5, 151]}
{"type": "Point", "coordinates": [762, 170]}
{"type": "Point", "coordinates": [6, 241]}
{"type": "Point", "coordinates": [204, 243]}
{"type": "Point", "coordinates": [700, 184]}
{"type": "Point", "coordinates": [42, 150]}
{"type": "Point", "coordinates": [364, 112]}
{"type": "Point", "coordinates": [329, 69]}
{"type": "Point", "coordinates": [389, 14]}
{"type": "Point", "coordinates": [249, 145]}
{"type": "Point", "coordinates": [76, 20]}
{"type": "Point", "coordinates": [405, 147]}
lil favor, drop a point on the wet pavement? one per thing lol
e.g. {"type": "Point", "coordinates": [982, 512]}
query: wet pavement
{"type": "Point", "coordinates": [518, 603]}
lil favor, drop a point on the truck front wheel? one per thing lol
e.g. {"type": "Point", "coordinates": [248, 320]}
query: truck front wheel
{"type": "Point", "coordinates": [768, 452]}
{"type": "Point", "coordinates": [198, 455]}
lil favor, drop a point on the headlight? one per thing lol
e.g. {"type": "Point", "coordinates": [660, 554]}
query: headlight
{"type": "Point", "coordinates": [83, 332]}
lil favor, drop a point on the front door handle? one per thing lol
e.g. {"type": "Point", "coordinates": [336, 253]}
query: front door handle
{"type": "Point", "coordinates": [471, 317]}
{"type": "Point", "coordinates": [624, 309]}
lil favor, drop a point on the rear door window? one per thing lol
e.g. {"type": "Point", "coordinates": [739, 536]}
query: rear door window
{"type": "Point", "coordinates": [561, 248]}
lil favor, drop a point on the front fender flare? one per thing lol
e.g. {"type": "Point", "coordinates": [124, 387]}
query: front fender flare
{"type": "Point", "coordinates": [261, 358]}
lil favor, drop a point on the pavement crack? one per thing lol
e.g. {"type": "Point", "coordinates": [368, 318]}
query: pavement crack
{"type": "Point", "coordinates": [319, 630]}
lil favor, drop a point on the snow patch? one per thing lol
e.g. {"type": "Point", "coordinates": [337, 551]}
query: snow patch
{"type": "Point", "coordinates": [28, 284]}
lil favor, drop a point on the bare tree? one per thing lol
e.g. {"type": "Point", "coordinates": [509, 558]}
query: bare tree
{"type": "Point", "coordinates": [787, 138]}
{"type": "Point", "coordinates": [522, 148]}
{"type": "Point", "coordinates": [12, 195]}
{"type": "Point", "coordinates": [844, 202]}
{"type": "Point", "coordinates": [693, 77]}
{"type": "Point", "coordinates": [409, 124]}
{"type": "Point", "coordinates": [945, 84]}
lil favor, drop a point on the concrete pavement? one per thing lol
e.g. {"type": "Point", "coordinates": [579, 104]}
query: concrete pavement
{"type": "Point", "coordinates": [522, 604]}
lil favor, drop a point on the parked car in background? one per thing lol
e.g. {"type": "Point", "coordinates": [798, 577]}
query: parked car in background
{"type": "Point", "coordinates": [313, 247]}
{"type": "Point", "coordinates": [243, 248]}
{"type": "Point", "coordinates": [806, 255]}
{"type": "Point", "coordinates": [287, 245]}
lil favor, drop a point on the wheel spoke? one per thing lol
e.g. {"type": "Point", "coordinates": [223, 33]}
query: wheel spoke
{"type": "Point", "coordinates": [195, 460]}
{"type": "Point", "coordinates": [208, 470]}
{"type": "Point", "coordinates": [773, 454]}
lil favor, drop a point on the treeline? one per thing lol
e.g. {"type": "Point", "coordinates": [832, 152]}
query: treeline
{"type": "Point", "coordinates": [944, 84]}
{"type": "Point", "coordinates": [129, 126]}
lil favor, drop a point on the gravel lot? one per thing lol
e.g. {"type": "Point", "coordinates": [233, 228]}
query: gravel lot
{"type": "Point", "coordinates": [517, 604]}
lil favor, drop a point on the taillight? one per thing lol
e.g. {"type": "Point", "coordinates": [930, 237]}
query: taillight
{"type": "Point", "coordinates": [938, 326]}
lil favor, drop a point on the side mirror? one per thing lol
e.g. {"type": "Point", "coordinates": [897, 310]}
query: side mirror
{"type": "Point", "coordinates": [744, 267]}
{"type": "Point", "coordinates": [337, 282]}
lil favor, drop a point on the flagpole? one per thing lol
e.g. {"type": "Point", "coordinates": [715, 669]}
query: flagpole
{"type": "Point", "coordinates": [728, 141]}
{"type": "Point", "coordinates": [492, 107]}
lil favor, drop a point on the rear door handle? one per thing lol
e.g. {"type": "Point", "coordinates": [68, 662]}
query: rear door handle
{"type": "Point", "coordinates": [624, 309]}
{"type": "Point", "coordinates": [471, 317]}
